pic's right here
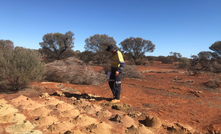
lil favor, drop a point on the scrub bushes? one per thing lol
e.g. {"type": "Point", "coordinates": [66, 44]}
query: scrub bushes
{"type": "Point", "coordinates": [184, 63]}
{"type": "Point", "coordinates": [19, 67]}
{"type": "Point", "coordinates": [131, 71]}
{"type": "Point", "coordinates": [73, 71]}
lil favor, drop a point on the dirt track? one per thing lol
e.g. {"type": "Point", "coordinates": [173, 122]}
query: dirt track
{"type": "Point", "coordinates": [182, 103]}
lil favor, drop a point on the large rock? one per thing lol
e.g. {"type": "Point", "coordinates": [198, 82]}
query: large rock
{"type": "Point", "coordinates": [153, 122]}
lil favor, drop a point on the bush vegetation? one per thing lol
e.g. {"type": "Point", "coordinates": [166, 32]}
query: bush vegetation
{"type": "Point", "coordinates": [131, 71]}
{"type": "Point", "coordinates": [73, 71]}
{"type": "Point", "coordinates": [184, 63]}
{"type": "Point", "coordinates": [18, 67]}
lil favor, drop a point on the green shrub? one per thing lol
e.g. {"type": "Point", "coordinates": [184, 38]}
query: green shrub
{"type": "Point", "coordinates": [18, 68]}
{"type": "Point", "coordinates": [184, 63]}
{"type": "Point", "coordinates": [165, 60]}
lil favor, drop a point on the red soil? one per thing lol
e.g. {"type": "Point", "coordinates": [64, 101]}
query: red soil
{"type": "Point", "coordinates": [185, 101]}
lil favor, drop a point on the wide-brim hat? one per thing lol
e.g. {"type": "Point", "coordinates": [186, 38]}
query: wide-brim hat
{"type": "Point", "coordinates": [111, 48]}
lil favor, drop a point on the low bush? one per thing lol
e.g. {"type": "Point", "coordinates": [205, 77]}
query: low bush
{"type": "Point", "coordinates": [184, 63]}
{"type": "Point", "coordinates": [165, 60]}
{"type": "Point", "coordinates": [143, 62]}
{"type": "Point", "coordinates": [18, 67]}
{"type": "Point", "coordinates": [131, 71]}
{"type": "Point", "coordinates": [73, 71]}
{"type": "Point", "coordinates": [215, 67]}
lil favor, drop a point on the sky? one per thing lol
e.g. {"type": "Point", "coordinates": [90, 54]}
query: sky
{"type": "Point", "coordinates": [182, 26]}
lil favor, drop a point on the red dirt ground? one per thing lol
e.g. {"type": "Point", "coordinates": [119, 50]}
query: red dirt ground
{"type": "Point", "coordinates": [188, 103]}
{"type": "Point", "coordinates": [185, 100]}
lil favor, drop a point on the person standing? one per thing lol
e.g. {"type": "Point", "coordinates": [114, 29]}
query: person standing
{"type": "Point", "coordinates": [117, 64]}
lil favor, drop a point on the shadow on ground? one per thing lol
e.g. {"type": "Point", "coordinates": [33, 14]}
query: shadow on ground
{"type": "Point", "coordinates": [82, 96]}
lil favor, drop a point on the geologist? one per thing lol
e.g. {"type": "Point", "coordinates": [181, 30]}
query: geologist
{"type": "Point", "coordinates": [117, 65]}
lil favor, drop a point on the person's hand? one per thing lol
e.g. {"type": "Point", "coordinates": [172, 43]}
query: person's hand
{"type": "Point", "coordinates": [116, 73]}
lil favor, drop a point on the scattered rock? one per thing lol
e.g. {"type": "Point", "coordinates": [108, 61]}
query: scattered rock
{"type": "Point", "coordinates": [176, 78]}
{"type": "Point", "coordinates": [69, 89]}
{"type": "Point", "coordinates": [134, 114]}
{"type": "Point", "coordinates": [179, 129]}
{"type": "Point", "coordinates": [211, 84]}
{"type": "Point", "coordinates": [141, 129]}
{"type": "Point", "coordinates": [121, 107]}
{"type": "Point", "coordinates": [59, 85]}
{"type": "Point", "coordinates": [45, 121]}
{"type": "Point", "coordinates": [53, 101]}
{"type": "Point", "coordinates": [3, 101]}
{"type": "Point", "coordinates": [151, 71]}
{"type": "Point", "coordinates": [99, 128]}
{"type": "Point", "coordinates": [73, 98]}
{"type": "Point", "coordinates": [90, 109]}
{"type": "Point", "coordinates": [194, 93]}
{"type": "Point", "coordinates": [34, 132]}
{"type": "Point", "coordinates": [6, 109]}
{"type": "Point", "coordinates": [70, 113]}
{"type": "Point", "coordinates": [40, 111]}
{"type": "Point", "coordinates": [153, 122]}
{"type": "Point", "coordinates": [25, 102]}
{"type": "Point", "coordinates": [69, 132]}
{"type": "Point", "coordinates": [215, 128]}
{"type": "Point", "coordinates": [83, 120]}
{"type": "Point", "coordinates": [60, 127]}
{"type": "Point", "coordinates": [124, 119]}
{"type": "Point", "coordinates": [12, 118]}
{"type": "Point", "coordinates": [93, 96]}
{"type": "Point", "coordinates": [59, 93]}
{"type": "Point", "coordinates": [64, 106]}
{"type": "Point", "coordinates": [73, 132]}
{"type": "Point", "coordinates": [81, 103]}
{"type": "Point", "coordinates": [103, 114]}
{"type": "Point", "coordinates": [44, 95]}
{"type": "Point", "coordinates": [20, 128]}
{"type": "Point", "coordinates": [107, 104]}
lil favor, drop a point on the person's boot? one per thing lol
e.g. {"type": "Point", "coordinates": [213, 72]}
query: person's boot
{"type": "Point", "coordinates": [115, 101]}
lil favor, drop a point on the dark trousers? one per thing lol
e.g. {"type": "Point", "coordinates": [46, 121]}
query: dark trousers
{"type": "Point", "coordinates": [115, 83]}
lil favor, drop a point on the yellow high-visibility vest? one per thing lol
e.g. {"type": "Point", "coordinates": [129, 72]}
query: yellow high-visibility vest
{"type": "Point", "coordinates": [116, 59]}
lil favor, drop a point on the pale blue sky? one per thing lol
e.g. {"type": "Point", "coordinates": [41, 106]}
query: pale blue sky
{"type": "Point", "coordinates": [184, 26]}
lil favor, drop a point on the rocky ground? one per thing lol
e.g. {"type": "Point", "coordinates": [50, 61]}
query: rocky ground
{"type": "Point", "coordinates": [165, 100]}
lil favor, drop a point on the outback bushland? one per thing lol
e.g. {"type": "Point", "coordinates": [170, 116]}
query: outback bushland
{"type": "Point", "coordinates": [73, 71]}
{"type": "Point", "coordinates": [19, 67]}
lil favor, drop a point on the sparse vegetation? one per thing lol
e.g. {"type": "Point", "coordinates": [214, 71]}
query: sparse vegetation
{"type": "Point", "coordinates": [166, 60]}
{"type": "Point", "coordinates": [57, 45]}
{"type": "Point", "coordinates": [184, 63]}
{"type": "Point", "coordinates": [7, 43]}
{"type": "Point", "coordinates": [98, 44]}
{"type": "Point", "coordinates": [18, 68]}
{"type": "Point", "coordinates": [136, 47]}
{"type": "Point", "coordinates": [131, 71]}
{"type": "Point", "coordinates": [73, 71]}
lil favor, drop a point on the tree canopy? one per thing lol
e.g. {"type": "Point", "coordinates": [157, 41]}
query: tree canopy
{"type": "Point", "coordinates": [7, 43]}
{"type": "Point", "coordinates": [98, 44]}
{"type": "Point", "coordinates": [137, 47]}
{"type": "Point", "coordinates": [216, 47]}
{"type": "Point", "coordinates": [55, 45]}
{"type": "Point", "coordinates": [175, 56]}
